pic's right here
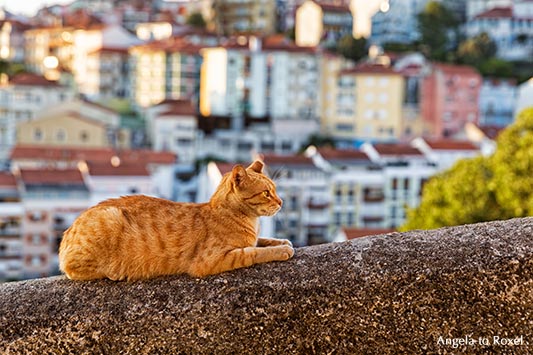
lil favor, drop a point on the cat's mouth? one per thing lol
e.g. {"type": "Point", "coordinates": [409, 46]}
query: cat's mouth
{"type": "Point", "coordinates": [271, 211]}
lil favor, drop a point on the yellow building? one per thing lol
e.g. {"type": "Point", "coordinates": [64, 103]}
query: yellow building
{"type": "Point", "coordinates": [69, 48]}
{"type": "Point", "coordinates": [75, 124]}
{"type": "Point", "coordinates": [166, 69]}
{"type": "Point", "coordinates": [244, 16]}
{"type": "Point", "coordinates": [368, 104]}
{"type": "Point", "coordinates": [330, 66]}
{"type": "Point", "coordinates": [69, 129]}
{"type": "Point", "coordinates": [148, 74]}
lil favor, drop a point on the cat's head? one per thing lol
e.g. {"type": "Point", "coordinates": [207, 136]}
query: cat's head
{"type": "Point", "coordinates": [254, 190]}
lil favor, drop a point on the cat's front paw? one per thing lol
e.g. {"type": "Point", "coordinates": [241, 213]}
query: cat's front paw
{"type": "Point", "coordinates": [287, 251]}
{"type": "Point", "coordinates": [285, 242]}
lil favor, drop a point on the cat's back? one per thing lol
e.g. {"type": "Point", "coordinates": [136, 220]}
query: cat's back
{"type": "Point", "coordinates": [128, 237]}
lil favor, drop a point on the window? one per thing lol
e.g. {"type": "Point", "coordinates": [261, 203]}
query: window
{"type": "Point", "coordinates": [184, 141]}
{"type": "Point", "coordinates": [373, 194]}
{"type": "Point", "coordinates": [38, 134]}
{"type": "Point", "coordinates": [337, 218]}
{"type": "Point", "coordinates": [84, 136]}
{"type": "Point", "coordinates": [344, 127]}
{"type": "Point", "coordinates": [61, 135]}
{"type": "Point", "coordinates": [37, 216]}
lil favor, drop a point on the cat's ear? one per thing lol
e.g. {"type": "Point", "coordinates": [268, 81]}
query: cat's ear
{"type": "Point", "coordinates": [238, 174]}
{"type": "Point", "coordinates": [256, 166]}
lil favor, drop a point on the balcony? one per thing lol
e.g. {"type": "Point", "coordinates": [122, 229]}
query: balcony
{"type": "Point", "coordinates": [317, 205]}
{"type": "Point", "coordinates": [9, 231]}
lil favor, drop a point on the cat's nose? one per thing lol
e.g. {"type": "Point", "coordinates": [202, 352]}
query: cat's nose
{"type": "Point", "coordinates": [280, 202]}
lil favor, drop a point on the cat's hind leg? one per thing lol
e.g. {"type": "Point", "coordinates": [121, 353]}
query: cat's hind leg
{"type": "Point", "coordinates": [78, 266]}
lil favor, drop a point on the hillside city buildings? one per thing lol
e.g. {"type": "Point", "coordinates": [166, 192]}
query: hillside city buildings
{"type": "Point", "coordinates": [119, 97]}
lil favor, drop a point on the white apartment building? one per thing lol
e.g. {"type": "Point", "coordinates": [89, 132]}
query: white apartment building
{"type": "Point", "coordinates": [11, 217]}
{"type": "Point", "coordinates": [476, 7]}
{"type": "Point", "coordinates": [108, 74]}
{"type": "Point", "coordinates": [74, 49]}
{"type": "Point", "coordinates": [524, 98]}
{"type": "Point", "coordinates": [397, 22]}
{"type": "Point", "coordinates": [22, 99]}
{"type": "Point", "coordinates": [166, 69]}
{"type": "Point", "coordinates": [510, 27]}
{"type": "Point", "coordinates": [263, 79]}
{"type": "Point", "coordinates": [174, 128]}
{"type": "Point", "coordinates": [497, 100]}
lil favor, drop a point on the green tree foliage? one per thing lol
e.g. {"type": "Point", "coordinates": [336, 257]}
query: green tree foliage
{"type": "Point", "coordinates": [437, 24]}
{"type": "Point", "coordinates": [456, 196]}
{"type": "Point", "coordinates": [11, 68]}
{"type": "Point", "coordinates": [476, 49]}
{"type": "Point", "coordinates": [496, 68]}
{"type": "Point", "coordinates": [318, 140]}
{"type": "Point", "coordinates": [512, 164]}
{"type": "Point", "coordinates": [352, 48]}
{"type": "Point", "coordinates": [196, 20]}
{"type": "Point", "coordinates": [483, 188]}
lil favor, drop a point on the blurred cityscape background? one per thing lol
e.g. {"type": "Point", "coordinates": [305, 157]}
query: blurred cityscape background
{"type": "Point", "coordinates": [358, 108]}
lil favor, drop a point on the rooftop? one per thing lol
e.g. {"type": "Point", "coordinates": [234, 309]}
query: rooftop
{"type": "Point", "coordinates": [30, 79]}
{"type": "Point", "coordinates": [452, 69]}
{"type": "Point", "coordinates": [51, 177]}
{"type": "Point", "coordinates": [343, 154]}
{"type": "Point", "coordinates": [497, 12]}
{"type": "Point", "coordinates": [123, 169]}
{"type": "Point", "coordinates": [366, 68]}
{"type": "Point", "coordinates": [28, 152]}
{"type": "Point", "coordinates": [396, 149]}
{"type": "Point", "coordinates": [448, 144]}
{"type": "Point", "coordinates": [178, 108]}
{"type": "Point", "coordinates": [288, 160]}
{"type": "Point", "coordinates": [7, 180]}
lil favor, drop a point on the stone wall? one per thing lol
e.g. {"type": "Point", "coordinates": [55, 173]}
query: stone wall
{"type": "Point", "coordinates": [466, 289]}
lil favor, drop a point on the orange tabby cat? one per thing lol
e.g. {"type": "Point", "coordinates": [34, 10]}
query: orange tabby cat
{"type": "Point", "coordinates": [138, 237]}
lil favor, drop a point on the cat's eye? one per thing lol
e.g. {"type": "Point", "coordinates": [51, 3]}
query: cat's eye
{"type": "Point", "coordinates": [266, 193]}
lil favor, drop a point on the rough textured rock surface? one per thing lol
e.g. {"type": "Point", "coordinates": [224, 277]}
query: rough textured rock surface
{"type": "Point", "coordinates": [422, 292]}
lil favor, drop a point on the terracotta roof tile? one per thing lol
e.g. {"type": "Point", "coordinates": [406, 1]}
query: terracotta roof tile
{"type": "Point", "coordinates": [396, 149]}
{"type": "Point", "coordinates": [491, 132]}
{"type": "Point", "coordinates": [91, 154]}
{"type": "Point", "coordinates": [123, 169]}
{"type": "Point", "coordinates": [7, 180]}
{"type": "Point", "coordinates": [30, 79]}
{"type": "Point", "coordinates": [451, 69]}
{"type": "Point", "coordinates": [497, 12]}
{"type": "Point", "coordinates": [51, 177]}
{"type": "Point", "coordinates": [287, 160]}
{"type": "Point", "coordinates": [448, 144]}
{"type": "Point", "coordinates": [342, 154]}
{"type": "Point", "coordinates": [178, 108]}
{"type": "Point", "coordinates": [171, 45]}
